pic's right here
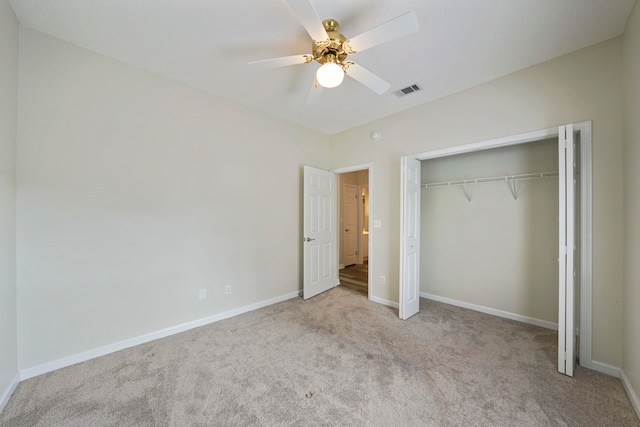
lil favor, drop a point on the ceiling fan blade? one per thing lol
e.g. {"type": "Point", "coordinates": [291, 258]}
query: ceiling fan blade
{"type": "Point", "coordinates": [368, 79]}
{"type": "Point", "coordinates": [398, 27]}
{"type": "Point", "coordinates": [309, 18]}
{"type": "Point", "coordinates": [314, 93]}
{"type": "Point", "coordinates": [280, 62]}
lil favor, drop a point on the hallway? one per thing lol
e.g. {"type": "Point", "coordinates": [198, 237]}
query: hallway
{"type": "Point", "coordinates": [355, 278]}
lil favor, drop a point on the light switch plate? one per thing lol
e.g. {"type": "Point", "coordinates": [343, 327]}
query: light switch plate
{"type": "Point", "coordinates": [377, 223]}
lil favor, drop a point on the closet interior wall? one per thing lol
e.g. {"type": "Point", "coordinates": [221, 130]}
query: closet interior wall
{"type": "Point", "coordinates": [498, 250]}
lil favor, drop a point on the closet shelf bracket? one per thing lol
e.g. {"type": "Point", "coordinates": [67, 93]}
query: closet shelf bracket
{"type": "Point", "coordinates": [513, 186]}
{"type": "Point", "coordinates": [467, 191]}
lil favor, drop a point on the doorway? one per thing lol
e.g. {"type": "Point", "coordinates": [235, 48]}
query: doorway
{"type": "Point", "coordinates": [353, 229]}
{"type": "Point", "coordinates": [578, 220]}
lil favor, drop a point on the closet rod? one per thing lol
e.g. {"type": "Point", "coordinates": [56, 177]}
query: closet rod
{"type": "Point", "coordinates": [505, 178]}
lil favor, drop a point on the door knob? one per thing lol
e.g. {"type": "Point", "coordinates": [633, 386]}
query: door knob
{"type": "Point", "coordinates": [308, 239]}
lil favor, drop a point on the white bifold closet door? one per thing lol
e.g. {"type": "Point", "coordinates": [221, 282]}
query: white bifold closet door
{"type": "Point", "coordinates": [409, 303]}
{"type": "Point", "coordinates": [567, 247]}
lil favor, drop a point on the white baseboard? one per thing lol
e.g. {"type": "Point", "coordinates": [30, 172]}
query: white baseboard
{"type": "Point", "coordinates": [492, 311]}
{"type": "Point", "coordinates": [633, 397]}
{"type": "Point", "coordinates": [606, 369]}
{"type": "Point", "coordinates": [6, 394]}
{"type": "Point", "coordinates": [384, 302]}
{"type": "Point", "coordinates": [111, 348]}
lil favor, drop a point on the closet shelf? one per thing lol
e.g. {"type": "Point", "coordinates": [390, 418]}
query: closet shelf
{"type": "Point", "coordinates": [492, 179]}
{"type": "Point", "coordinates": [510, 179]}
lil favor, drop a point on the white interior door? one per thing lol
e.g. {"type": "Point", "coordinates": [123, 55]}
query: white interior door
{"type": "Point", "coordinates": [566, 259]}
{"type": "Point", "coordinates": [410, 234]}
{"type": "Point", "coordinates": [350, 225]}
{"type": "Point", "coordinates": [320, 237]}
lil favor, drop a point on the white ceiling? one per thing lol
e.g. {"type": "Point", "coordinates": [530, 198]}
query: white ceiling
{"type": "Point", "coordinates": [208, 43]}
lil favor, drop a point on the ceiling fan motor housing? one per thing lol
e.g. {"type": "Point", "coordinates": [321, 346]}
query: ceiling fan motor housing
{"type": "Point", "coordinates": [334, 49]}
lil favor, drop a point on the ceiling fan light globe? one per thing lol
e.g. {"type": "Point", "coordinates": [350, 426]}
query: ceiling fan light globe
{"type": "Point", "coordinates": [330, 75]}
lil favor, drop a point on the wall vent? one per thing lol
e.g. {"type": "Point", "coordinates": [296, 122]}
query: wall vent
{"type": "Point", "coordinates": [407, 90]}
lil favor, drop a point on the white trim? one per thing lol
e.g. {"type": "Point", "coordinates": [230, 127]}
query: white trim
{"type": "Point", "coordinates": [492, 311]}
{"type": "Point", "coordinates": [521, 138]}
{"type": "Point", "coordinates": [356, 168]}
{"type": "Point", "coordinates": [564, 263]}
{"type": "Point", "coordinates": [6, 394]}
{"type": "Point", "coordinates": [131, 342]}
{"type": "Point", "coordinates": [341, 267]}
{"type": "Point", "coordinates": [606, 369]}
{"type": "Point", "coordinates": [586, 241]}
{"type": "Point", "coordinates": [403, 208]}
{"type": "Point", "coordinates": [361, 257]}
{"type": "Point", "coordinates": [372, 234]}
{"type": "Point", "coordinates": [633, 397]}
{"type": "Point", "coordinates": [384, 302]}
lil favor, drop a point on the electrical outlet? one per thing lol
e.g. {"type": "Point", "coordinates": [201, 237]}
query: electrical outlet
{"type": "Point", "coordinates": [202, 295]}
{"type": "Point", "coordinates": [377, 223]}
{"type": "Point", "coordinates": [227, 289]}
{"type": "Point", "coordinates": [383, 280]}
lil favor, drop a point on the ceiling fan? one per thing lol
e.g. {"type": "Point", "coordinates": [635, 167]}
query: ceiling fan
{"type": "Point", "coordinates": [331, 49]}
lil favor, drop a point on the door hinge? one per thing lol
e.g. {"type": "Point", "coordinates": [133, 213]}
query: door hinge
{"type": "Point", "coordinates": [563, 138]}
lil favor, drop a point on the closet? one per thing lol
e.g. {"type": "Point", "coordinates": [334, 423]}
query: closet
{"type": "Point", "coordinates": [489, 230]}
{"type": "Point", "coordinates": [482, 234]}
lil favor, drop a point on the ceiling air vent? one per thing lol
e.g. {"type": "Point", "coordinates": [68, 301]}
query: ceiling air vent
{"type": "Point", "coordinates": [407, 90]}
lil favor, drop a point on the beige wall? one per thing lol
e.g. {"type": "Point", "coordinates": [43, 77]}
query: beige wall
{"type": "Point", "coordinates": [494, 251]}
{"type": "Point", "coordinates": [132, 196]}
{"type": "Point", "coordinates": [631, 155]}
{"type": "Point", "coordinates": [135, 192]}
{"type": "Point", "coordinates": [8, 127]}
{"type": "Point", "coordinates": [584, 85]}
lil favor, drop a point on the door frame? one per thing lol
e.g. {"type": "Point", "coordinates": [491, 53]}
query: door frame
{"type": "Point", "coordinates": [361, 223]}
{"type": "Point", "coordinates": [355, 168]}
{"type": "Point", "coordinates": [584, 129]}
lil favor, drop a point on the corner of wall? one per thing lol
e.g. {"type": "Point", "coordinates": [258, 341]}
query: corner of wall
{"type": "Point", "coordinates": [9, 30]}
{"type": "Point", "coordinates": [630, 374]}
{"type": "Point", "coordinates": [633, 396]}
{"type": "Point", "coordinates": [6, 393]}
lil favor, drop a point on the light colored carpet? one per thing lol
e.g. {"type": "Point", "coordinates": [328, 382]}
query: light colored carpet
{"type": "Point", "coordinates": [334, 360]}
